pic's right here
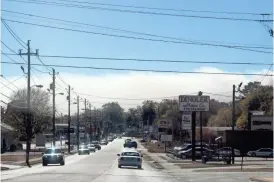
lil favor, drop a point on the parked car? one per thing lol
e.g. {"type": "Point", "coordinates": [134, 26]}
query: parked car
{"type": "Point", "coordinates": [263, 152]}
{"type": "Point", "coordinates": [53, 156]}
{"type": "Point", "coordinates": [225, 151]}
{"type": "Point", "coordinates": [198, 153]}
{"type": "Point", "coordinates": [130, 157]}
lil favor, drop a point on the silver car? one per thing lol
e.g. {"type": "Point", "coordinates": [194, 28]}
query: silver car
{"type": "Point", "coordinates": [130, 157]}
{"type": "Point", "coordinates": [263, 152]}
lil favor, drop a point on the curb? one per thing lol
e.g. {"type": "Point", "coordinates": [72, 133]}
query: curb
{"type": "Point", "coordinates": [257, 179]}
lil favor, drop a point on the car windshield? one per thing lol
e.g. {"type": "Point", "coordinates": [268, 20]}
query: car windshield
{"type": "Point", "coordinates": [83, 147]}
{"type": "Point", "coordinates": [130, 154]}
{"type": "Point", "coordinates": [52, 151]}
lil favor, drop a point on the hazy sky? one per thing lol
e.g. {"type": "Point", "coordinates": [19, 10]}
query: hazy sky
{"type": "Point", "coordinates": [102, 85]}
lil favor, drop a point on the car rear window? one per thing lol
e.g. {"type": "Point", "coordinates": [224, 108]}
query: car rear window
{"type": "Point", "coordinates": [52, 151]}
{"type": "Point", "coordinates": [130, 154]}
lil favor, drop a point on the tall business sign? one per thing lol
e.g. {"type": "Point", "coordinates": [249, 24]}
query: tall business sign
{"type": "Point", "coordinates": [189, 105]}
{"type": "Point", "coordinates": [194, 103]}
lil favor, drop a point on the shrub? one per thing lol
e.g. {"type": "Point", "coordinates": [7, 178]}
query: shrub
{"type": "Point", "coordinates": [12, 147]}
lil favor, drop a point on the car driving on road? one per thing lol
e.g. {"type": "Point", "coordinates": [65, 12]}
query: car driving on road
{"type": "Point", "coordinates": [53, 156]}
{"type": "Point", "coordinates": [83, 149]}
{"type": "Point", "coordinates": [130, 157]}
{"type": "Point", "coordinates": [91, 148]}
{"type": "Point", "coordinates": [130, 144]}
{"type": "Point", "coordinates": [104, 142]}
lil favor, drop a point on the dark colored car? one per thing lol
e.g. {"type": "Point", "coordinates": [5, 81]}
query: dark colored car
{"type": "Point", "coordinates": [53, 156]}
{"type": "Point", "coordinates": [130, 144]}
{"type": "Point", "coordinates": [104, 142]}
{"type": "Point", "coordinates": [97, 146]}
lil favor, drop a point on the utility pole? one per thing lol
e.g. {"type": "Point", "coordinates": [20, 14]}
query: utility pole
{"type": "Point", "coordinates": [233, 119]}
{"type": "Point", "coordinates": [78, 123]}
{"type": "Point", "coordinates": [28, 130]}
{"type": "Point", "coordinates": [86, 120]}
{"type": "Point", "coordinates": [68, 98]}
{"type": "Point", "coordinates": [201, 126]}
{"type": "Point", "coordinates": [193, 136]}
{"type": "Point", "coordinates": [90, 126]}
{"type": "Point", "coordinates": [53, 101]}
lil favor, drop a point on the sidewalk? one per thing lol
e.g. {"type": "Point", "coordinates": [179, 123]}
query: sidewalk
{"type": "Point", "coordinates": [259, 179]}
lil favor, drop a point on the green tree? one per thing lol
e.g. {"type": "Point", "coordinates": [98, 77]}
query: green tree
{"type": "Point", "coordinates": [113, 112]}
{"type": "Point", "coordinates": [256, 97]}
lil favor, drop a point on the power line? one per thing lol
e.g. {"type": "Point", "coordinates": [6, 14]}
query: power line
{"type": "Point", "coordinates": [8, 87]}
{"type": "Point", "coordinates": [12, 83]}
{"type": "Point", "coordinates": [154, 60]}
{"type": "Point", "coordinates": [140, 12]}
{"type": "Point", "coordinates": [13, 34]}
{"type": "Point", "coordinates": [43, 63]}
{"type": "Point", "coordinates": [137, 38]}
{"type": "Point", "coordinates": [216, 94]}
{"type": "Point", "coordinates": [133, 32]}
{"type": "Point", "coordinates": [269, 69]}
{"type": "Point", "coordinates": [5, 95]}
{"type": "Point", "coordinates": [144, 70]}
{"type": "Point", "coordinates": [17, 55]}
{"type": "Point", "coordinates": [168, 9]}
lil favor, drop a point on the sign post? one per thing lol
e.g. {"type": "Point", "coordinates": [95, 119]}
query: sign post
{"type": "Point", "coordinates": [193, 104]}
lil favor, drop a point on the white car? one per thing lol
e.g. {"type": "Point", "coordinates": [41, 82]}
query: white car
{"type": "Point", "coordinates": [130, 157]}
{"type": "Point", "coordinates": [263, 152]}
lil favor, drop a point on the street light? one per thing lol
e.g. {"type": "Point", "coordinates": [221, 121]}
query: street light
{"type": "Point", "coordinates": [37, 86]}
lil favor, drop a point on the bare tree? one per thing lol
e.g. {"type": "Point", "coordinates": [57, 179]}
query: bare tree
{"type": "Point", "coordinates": [40, 113]}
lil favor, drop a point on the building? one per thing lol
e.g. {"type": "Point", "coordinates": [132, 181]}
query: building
{"type": "Point", "coordinates": [6, 135]}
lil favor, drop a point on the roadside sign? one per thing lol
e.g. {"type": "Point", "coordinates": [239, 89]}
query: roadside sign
{"type": "Point", "coordinates": [165, 123]}
{"type": "Point", "coordinates": [261, 122]}
{"type": "Point", "coordinates": [194, 103]}
{"type": "Point", "coordinates": [40, 140]}
{"type": "Point", "coordinates": [186, 121]}
{"type": "Point", "coordinates": [166, 138]}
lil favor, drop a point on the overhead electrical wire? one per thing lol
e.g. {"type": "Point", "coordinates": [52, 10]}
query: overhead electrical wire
{"type": "Point", "coordinates": [134, 32]}
{"type": "Point", "coordinates": [166, 9]}
{"type": "Point", "coordinates": [269, 69]}
{"type": "Point", "coordinates": [13, 34]}
{"type": "Point", "coordinates": [12, 83]}
{"type": "Point", "coordinates": [8, 87]}
{"type": "Point", "coordinates": [136, 38]}
{"type": "Point", "coordinates": [154, 60]}
{"type": "Point", "coordinates": [143, 70]}
{"type": "Point", "coordinates": [139, 12]}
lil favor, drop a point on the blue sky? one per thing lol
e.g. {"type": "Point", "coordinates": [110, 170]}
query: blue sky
{"type": "Point", "coordinates": [58, 42]}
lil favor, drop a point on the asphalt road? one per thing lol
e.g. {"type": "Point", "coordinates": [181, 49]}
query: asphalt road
{"type": "Point", "coordinates": [102, 167]}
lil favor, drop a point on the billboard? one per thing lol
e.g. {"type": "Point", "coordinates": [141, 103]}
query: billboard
{"type": "Point", "coordinates": [194, 103]}
{"type": "Point", "coordinates": [260, 122]}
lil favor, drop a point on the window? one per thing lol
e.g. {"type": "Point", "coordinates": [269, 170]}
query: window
{"type": "Point", "coordinates": [52, 151]}
{"type": "Point", "coordinates": [130, 154]}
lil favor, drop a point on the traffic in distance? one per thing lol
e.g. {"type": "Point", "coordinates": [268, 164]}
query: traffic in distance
{"type": "Point", "coordinates": [129, 156]}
